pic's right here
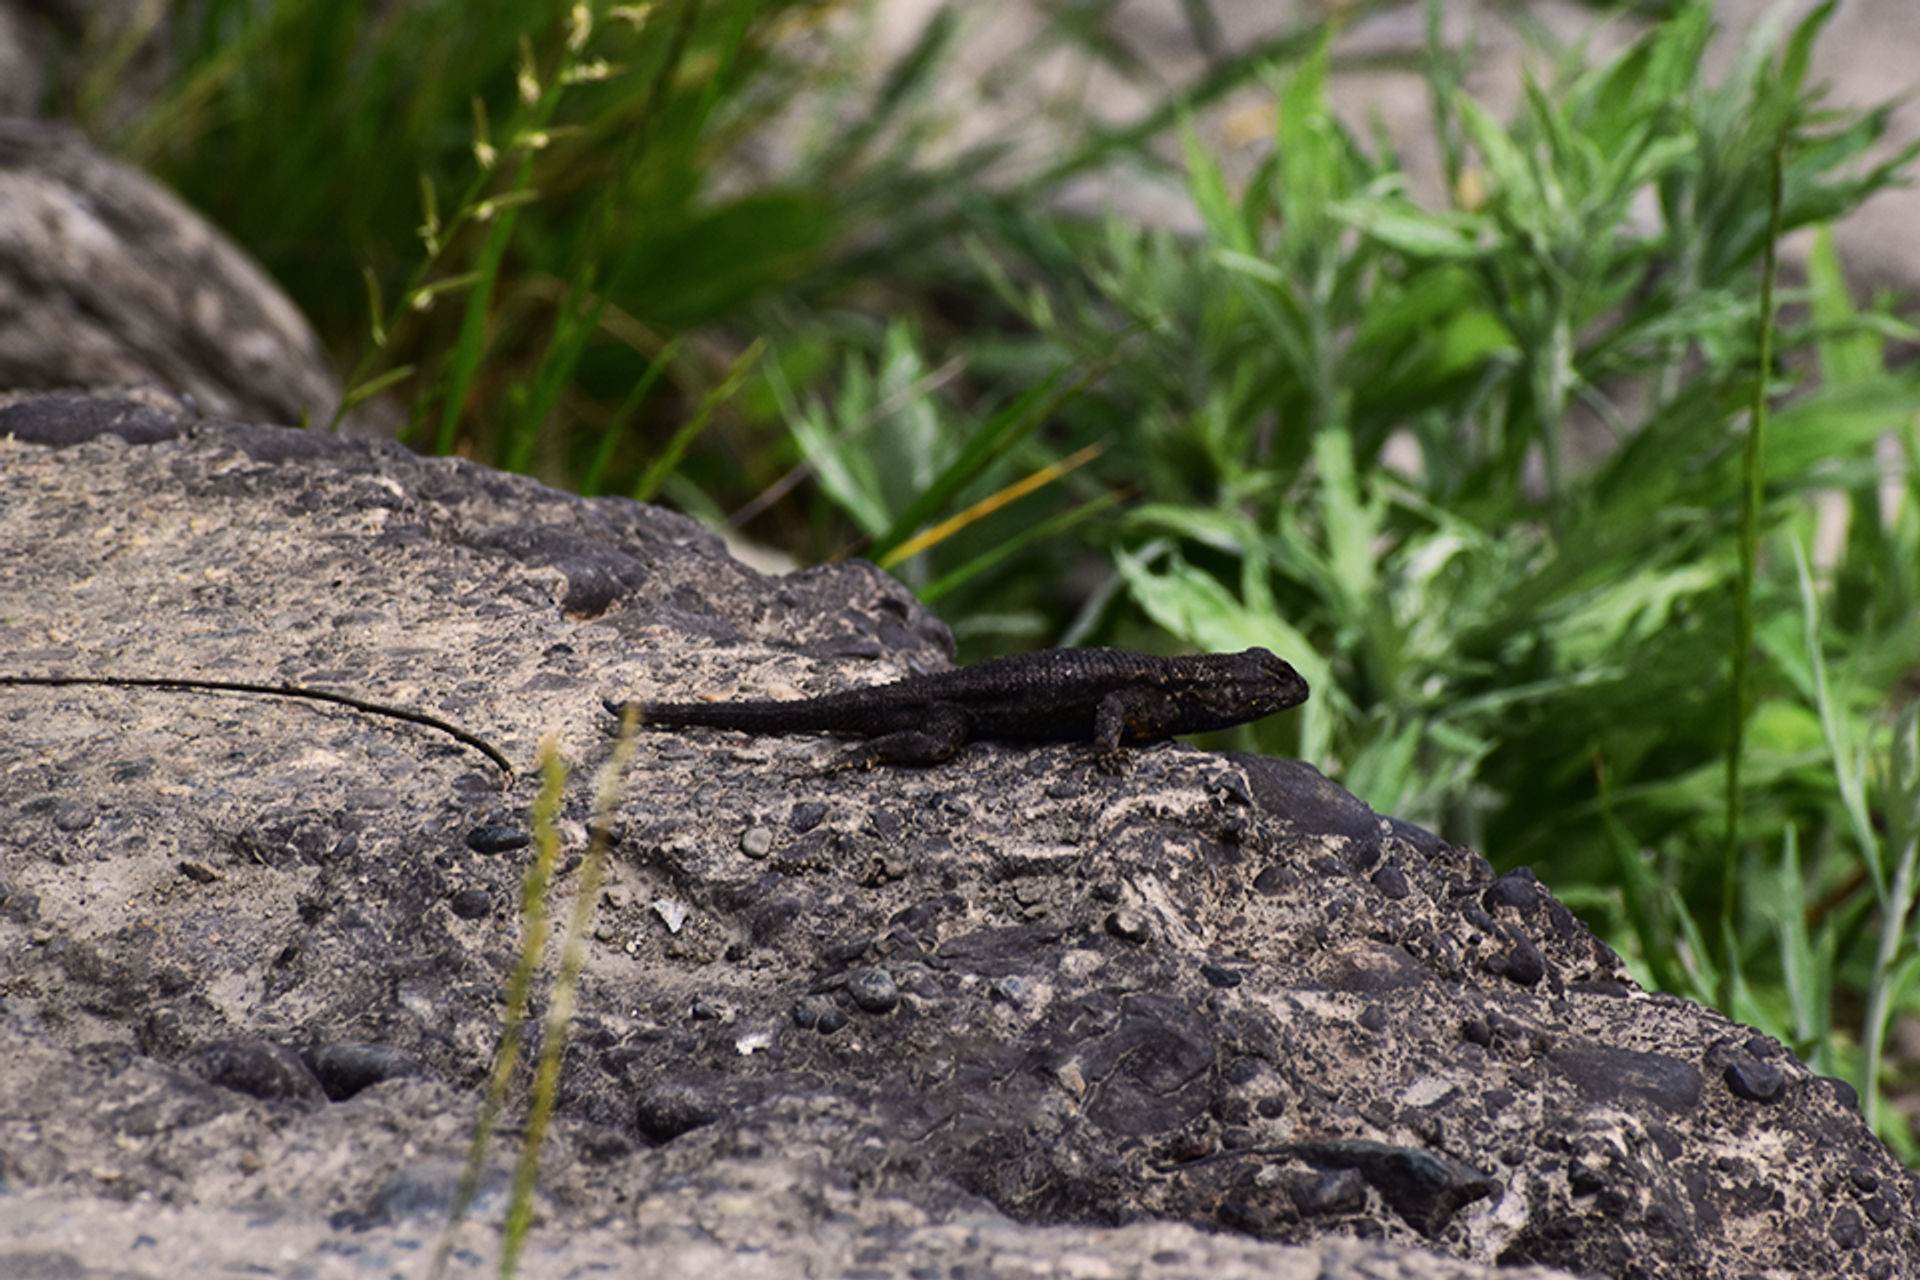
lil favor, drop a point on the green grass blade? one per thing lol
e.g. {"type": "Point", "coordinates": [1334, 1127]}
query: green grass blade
{"type": "Point", "coordinates": [614, 430]}
{"type": "Point", "coordinates": [669, 458]}
{"type": "Point", "coordinates": [573, 959]}
{"type": "Point", "coordinates": [991, 441]}
{"type": "Point", "coordinates": [1742, 648]}
{"type": "Point", "coordinates": [470, 347]}
{"type": "Point", "coordinates": [1001, 553]}
{"type": "Point", "coordinates": [534, 930]}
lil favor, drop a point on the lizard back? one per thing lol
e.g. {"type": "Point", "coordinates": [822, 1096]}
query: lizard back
{"type": "Point", "coordinates": [1053, 694]}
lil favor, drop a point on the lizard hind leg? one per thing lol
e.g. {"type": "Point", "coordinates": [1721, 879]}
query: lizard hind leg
{"type": "Point", "coordinates": [943, 730]}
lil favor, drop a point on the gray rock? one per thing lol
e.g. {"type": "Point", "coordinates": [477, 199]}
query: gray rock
{"type": "Point", "coordinates": [107, 278]}
{"type": "Point", "coordinates": [1186, 1000]}
{"type": "Point", "coordinates": [258, 1068]}
{"type": "Point", "coordinates": [346, 1067]}
{"type": "Point", "coordinates": [22, 55]}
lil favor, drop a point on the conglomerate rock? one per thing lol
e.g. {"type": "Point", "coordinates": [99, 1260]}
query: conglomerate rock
{"type": "Point", "coordinates": [252, 947]}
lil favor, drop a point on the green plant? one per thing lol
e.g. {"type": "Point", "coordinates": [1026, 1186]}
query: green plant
{"type": "Point", "coordinates": [536, 930]}
{"type": "Point", "coordinates": [534, 315]}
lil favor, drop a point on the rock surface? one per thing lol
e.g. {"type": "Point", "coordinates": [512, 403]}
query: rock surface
{"type": "Point", "coordinates": [1004, 1014]}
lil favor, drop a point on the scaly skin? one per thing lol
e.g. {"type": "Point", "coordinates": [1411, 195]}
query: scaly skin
{"type": "Point", "coordinates": [1109, 697]}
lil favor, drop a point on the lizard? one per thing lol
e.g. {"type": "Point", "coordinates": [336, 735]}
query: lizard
{"type": "Point", "coordinates": [1110, 697]}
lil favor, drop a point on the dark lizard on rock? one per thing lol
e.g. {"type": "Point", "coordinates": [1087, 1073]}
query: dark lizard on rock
{"type": "Point", "coordinates": [1109, 697]}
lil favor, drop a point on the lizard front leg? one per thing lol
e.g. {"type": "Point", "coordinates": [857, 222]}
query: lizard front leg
{"type": "Point", "coordinates": [1109, 730]}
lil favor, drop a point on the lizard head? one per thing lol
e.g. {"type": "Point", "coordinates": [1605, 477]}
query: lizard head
{"type": "Point", "coordinates": [1246, 686]}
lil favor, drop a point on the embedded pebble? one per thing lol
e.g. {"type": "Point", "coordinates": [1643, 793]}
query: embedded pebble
{"type": "Point", "coordinates": [1127, 925]}
{"type": "Point", "coordinates": [1391, 881]}
{"type": "Point", "coordinates": [1524, 964]}
{"type": "Point", "coordinates": [497, 839]}
{"type": "Point", "coordinates": [756, 842]}
{"type": "Point", "coordinates": [426, 1191]}
{"type": "Point", "coordinates": [666, 1111]}
{"type": "Point", "coordinates": [1221, 976]}
{"type": "Point", "coordinates": [873, 989]}
{"type": "Point", "coordinates": [1275, 880]}
{"type": "Point", "coordinates": [258, 1068]}
{"type": "Point", "coordinates": [1338, 1191]}
{"type": "Point", "coordinates": [1585, 1180]}
{"type": "Point", "coordinates": [471, 903]}
{"type": "Point", "coordinates": [1756, 1081]}
{"type": "Point", "coordinates": [71, 818]}
{"type": "Point", "coordinates": [816, 1016]}
{"type": "Point", "coordinates": [1517, 888]}
{"type": "Point", "coordinates": [345, 1067]}
{"type": "Point", "coordinates": [1472, 913]}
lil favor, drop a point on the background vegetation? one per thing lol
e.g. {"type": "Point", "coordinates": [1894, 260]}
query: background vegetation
{"type": "Point", "coordinates": [1477, 465]}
